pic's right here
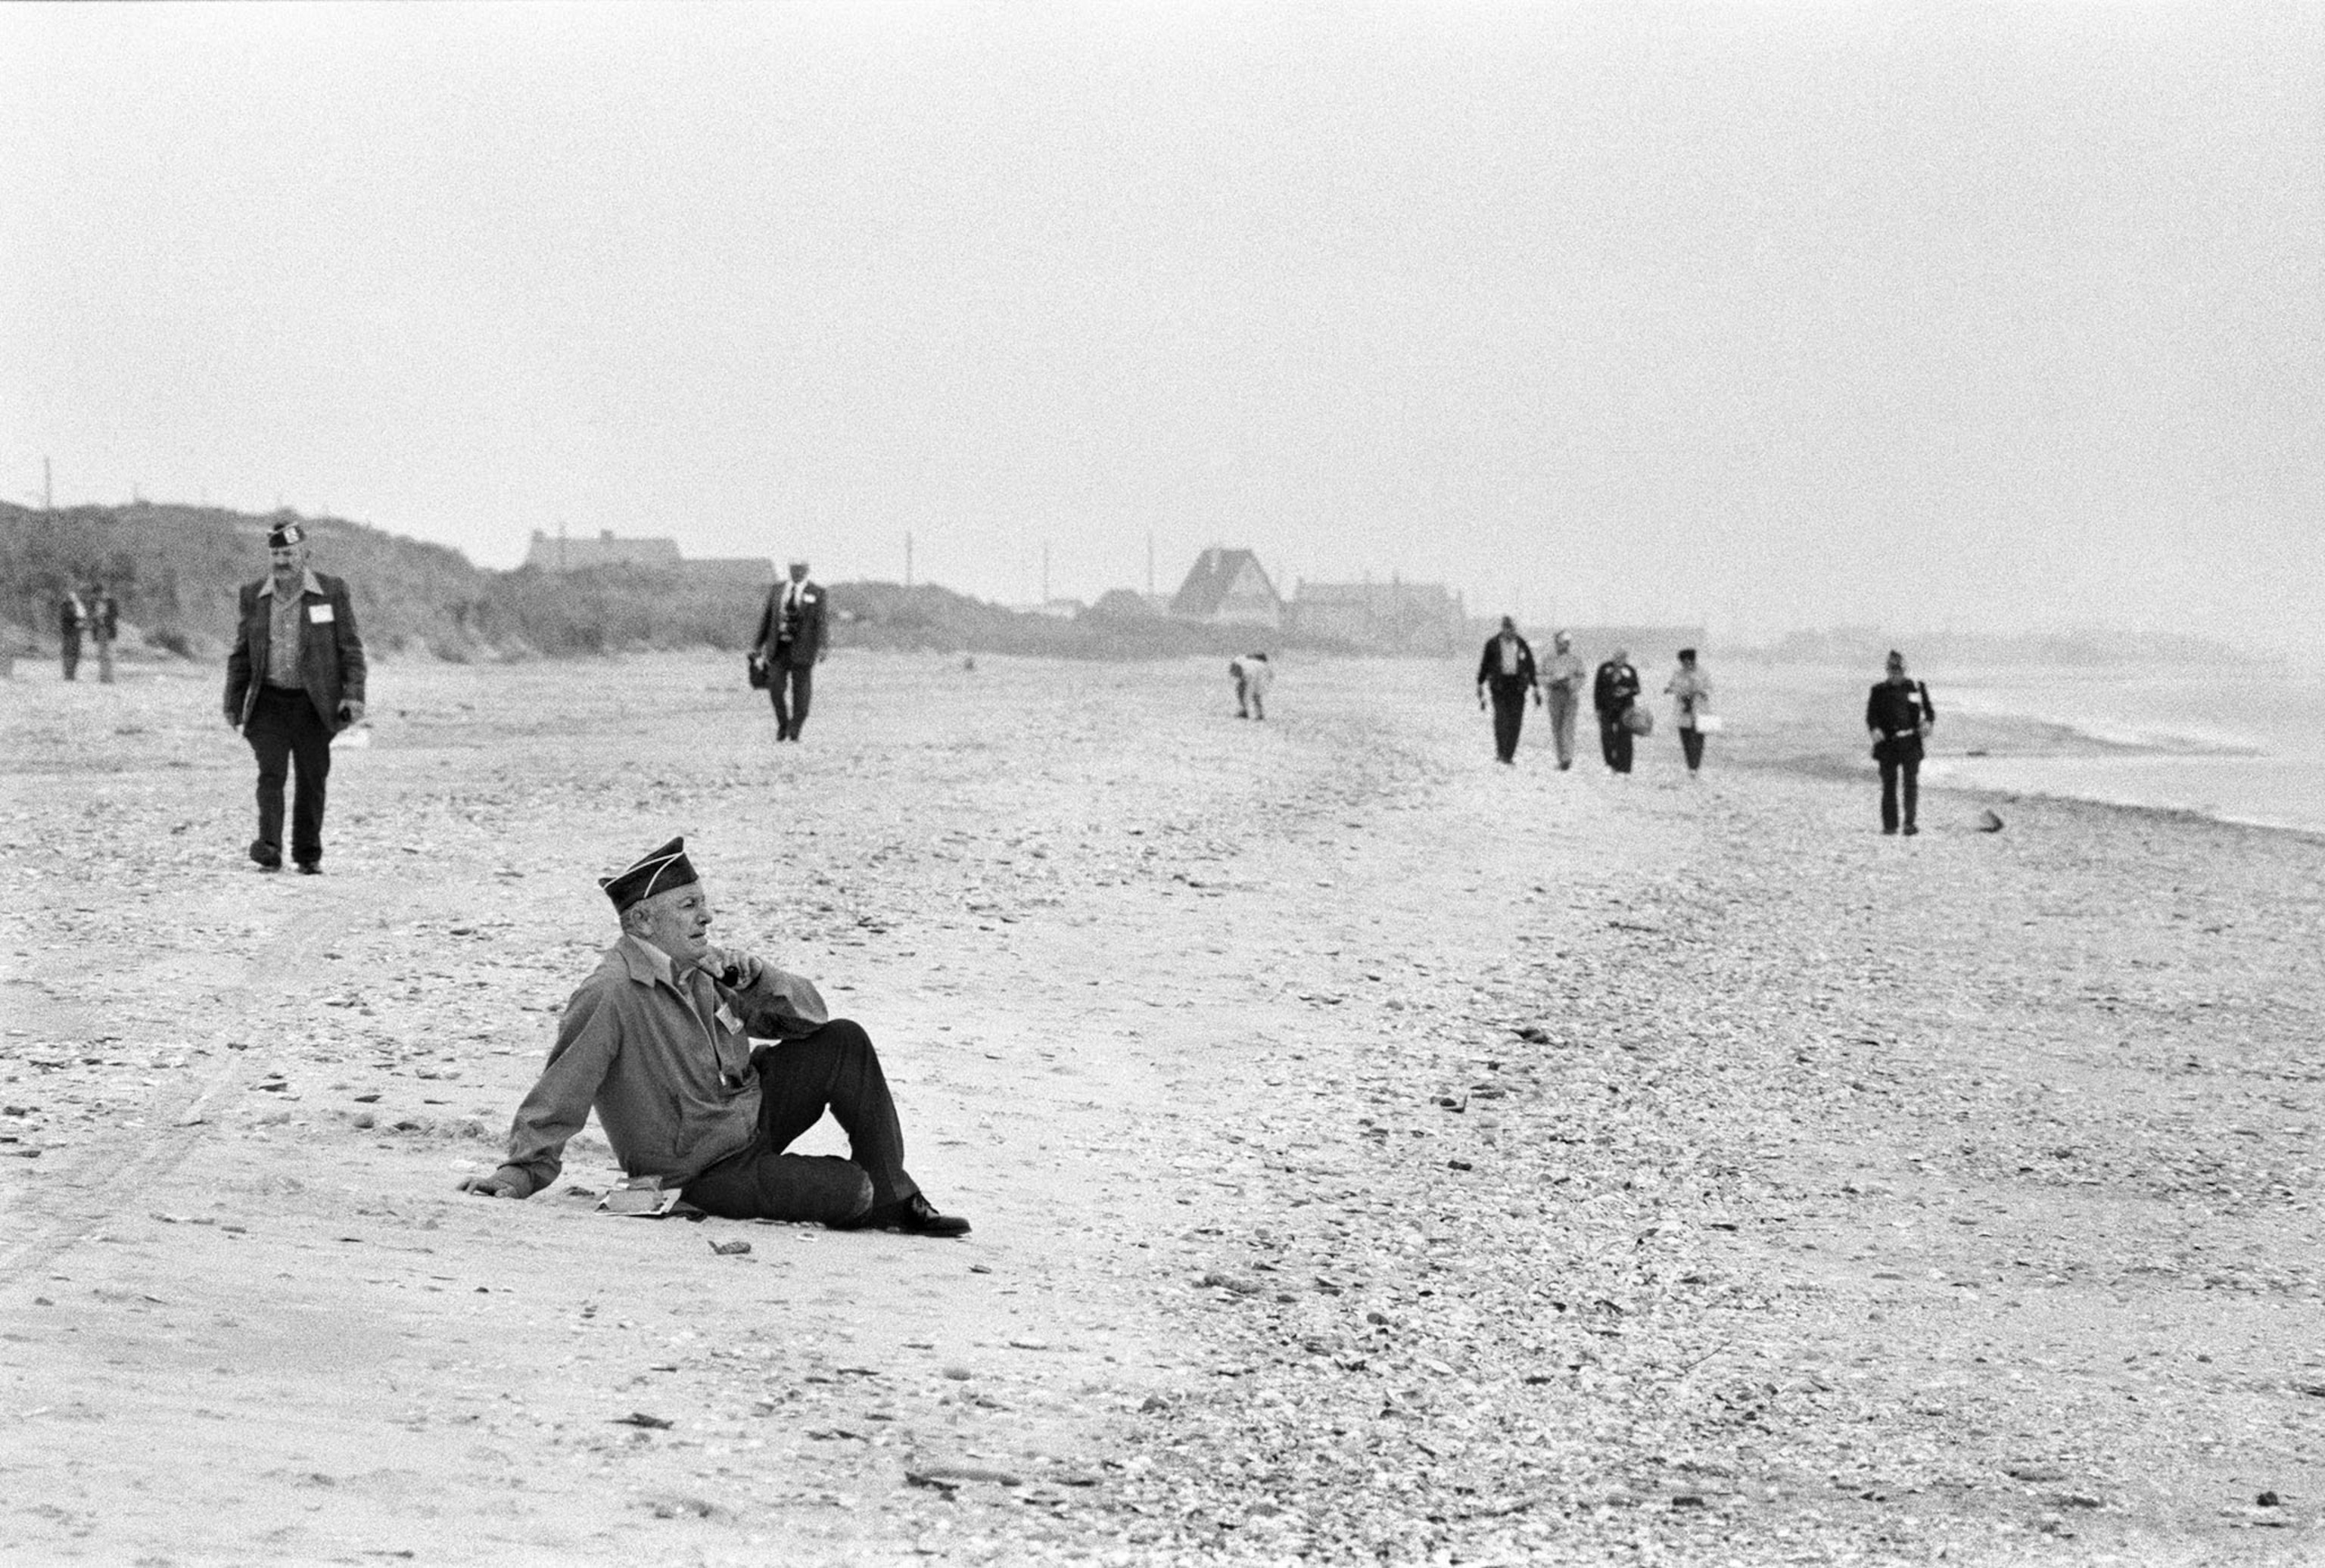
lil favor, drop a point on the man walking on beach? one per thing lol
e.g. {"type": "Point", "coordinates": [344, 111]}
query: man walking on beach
{"type": "Point", "coordinates": [1506, 670]}
{"type": "Point", "coordinates": [1898, 715]}
{"type": "Point", "coordinates": [103, 625]}
{"type": "Point", "coordinates": [1563, 676]}
{"type": "Point", "coordinates": [1612, 694]}
{"type": "Point", "coordinates": [659, 1042]}
{"type": "Point", "coordinates": [791, 640]}
{"type": "Point", "coordinates": [72, 617]}
{"type": "Point", "coordinates": [294, 679]}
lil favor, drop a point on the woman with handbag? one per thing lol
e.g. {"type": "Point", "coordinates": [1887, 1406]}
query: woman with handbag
{"type": "Point", "coordinates": [1899, 715]}
{"type": "Point", "coordinates": [1614, 693]}
{"type": "Point", "coordinates": [1689, 689]}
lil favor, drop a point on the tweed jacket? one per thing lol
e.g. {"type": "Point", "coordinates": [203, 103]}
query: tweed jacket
{"type": "Point", "coordinates": [330, 650]}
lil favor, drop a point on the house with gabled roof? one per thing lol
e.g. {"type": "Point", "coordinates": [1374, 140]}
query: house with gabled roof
{"type": "Point", "coordinates": [1228, 587]}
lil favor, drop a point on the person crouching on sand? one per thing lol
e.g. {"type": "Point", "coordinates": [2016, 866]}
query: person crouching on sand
{"type": "Point", "coordinates": [1252, 676]}
{"type": "Point", "coordinates": [659, 1040]}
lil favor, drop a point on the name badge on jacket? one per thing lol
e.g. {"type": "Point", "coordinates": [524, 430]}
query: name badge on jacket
{"type": "Point", "coordinates": [321, 614]}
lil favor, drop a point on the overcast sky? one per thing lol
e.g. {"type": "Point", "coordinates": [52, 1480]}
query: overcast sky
{"type": "Point", "coordinates": [2006, 317]}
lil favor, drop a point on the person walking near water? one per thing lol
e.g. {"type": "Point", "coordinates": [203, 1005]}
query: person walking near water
{"type": "Point", "coordinates": [1613, 692]}
{"type": "Point", "coordinates": [103, 625]}
{"type": "Point", "coordinates": [791, 640]}
{"type": "Point", "coordinates": [1689, 689]}
{"type": "Point", "coordinates": [1506, 670]}
{"type": "Point", "coordinates": [1562, 678]}
{"type": "Point", "coordinates": [295, 678]}
{"type": "Point", "coordinates": [72, 617]}
{"type": "Point", "coordinates": [1899, 715]}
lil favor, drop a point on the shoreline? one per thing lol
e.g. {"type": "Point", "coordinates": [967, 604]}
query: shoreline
{"type": "Point", "coordinates": [2007, 739]}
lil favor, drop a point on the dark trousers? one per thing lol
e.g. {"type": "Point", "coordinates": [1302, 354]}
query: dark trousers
{"type": "Point", "coordinates": [835, 1069]}
{"type": "Point", "coordinates": [1614, 742]}
{"type": "Point", "coordinates": [1248, 702]}
{"type": "Point", "coordinates": [1895, 771]}
{"type": "Point", "coordinates": [1509, 715]}
{"type": "Point", "coordinates": [71, 651]}
{"type": "Point", "coordinates": [789, 687]}
{"type": "Point", "coordinates": [284, 725]}
{"type": "Point", "coordinates": [1691, 745]}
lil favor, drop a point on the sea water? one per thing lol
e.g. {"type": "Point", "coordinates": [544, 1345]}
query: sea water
{"type": "Point", "coordinates": [2228, 742]}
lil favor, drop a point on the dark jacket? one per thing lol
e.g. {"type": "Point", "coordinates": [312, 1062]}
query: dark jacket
{"type": "Point", "coordinates": [806, 644]}
{"type": "Point", "coordinates": [1614, 689]}
{"type": "Point", "coordinates": [1489, 663]}
{"type": "Point", "coordinates": [330, 651]}
{"type": "Point", "coordinates": [1897, 709]}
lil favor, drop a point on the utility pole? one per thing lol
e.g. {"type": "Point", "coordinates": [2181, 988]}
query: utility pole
{"type": "Point", "coordinates": [47, 489]}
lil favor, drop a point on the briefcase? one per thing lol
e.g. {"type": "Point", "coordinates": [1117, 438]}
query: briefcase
{"type": "Point", "coordinates": [758, 672]}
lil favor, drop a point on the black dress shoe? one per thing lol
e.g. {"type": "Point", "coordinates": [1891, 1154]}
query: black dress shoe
{"type": "Point", "coordinates": [913, 1216]}
{"type": "Point", "coordinates": [310, 867]}
{"type": "Point", "coordinates": [268, 856]}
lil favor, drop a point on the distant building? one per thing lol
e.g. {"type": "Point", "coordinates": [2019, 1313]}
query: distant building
{"type": "Point", "coordinates": [557, 553]}
{"type": "Point", "coordinates": [758, 568]}
{"type": "Point", "coordinates": [1393, 617]}
{"type": "Point", "coordinates": [1228, 587]}
{"type": "Point", "coordinates": [1122, 603]}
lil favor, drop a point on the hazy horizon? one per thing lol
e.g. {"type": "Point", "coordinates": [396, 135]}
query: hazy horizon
{"type": "Point", "coordinates": [2002, 319]}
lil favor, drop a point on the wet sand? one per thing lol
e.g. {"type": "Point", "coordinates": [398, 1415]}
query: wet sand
{"type": "Point", "coordinates": [1374, 1152]}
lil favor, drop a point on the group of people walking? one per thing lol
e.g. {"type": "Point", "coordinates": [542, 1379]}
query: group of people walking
{"type": "Point", "coordinates": [95, 615]}
{"type": "Point", "coordinates": [1507, 675]}
{"type": "Point", "coordinates": [1898, 713]}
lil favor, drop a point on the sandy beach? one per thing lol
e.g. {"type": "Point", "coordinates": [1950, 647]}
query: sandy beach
{"type": "Point", "coordinates": [1375, 1154]}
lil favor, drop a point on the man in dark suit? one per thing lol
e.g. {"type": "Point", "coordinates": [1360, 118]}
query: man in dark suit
{"type": "Point", "coordinates": [1613, 693]}
{"type": "Point", "coordinates": [1898, 714]}
{"type": "Point", "coordinates": [791, 641]}
{"type": "Point", "coordinates": [1506, 670]}
{"type": "Point", "coordinates": [295, 679]}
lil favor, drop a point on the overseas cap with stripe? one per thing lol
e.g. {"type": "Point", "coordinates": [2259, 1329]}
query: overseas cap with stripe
{"type": "Point", "coordinates": [656, 871]}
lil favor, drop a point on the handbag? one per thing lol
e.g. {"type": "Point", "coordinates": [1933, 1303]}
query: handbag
{"type": "Point", "coordinates": [1638, 720]}
{"type": "Point", "coordinates": [758, 672]}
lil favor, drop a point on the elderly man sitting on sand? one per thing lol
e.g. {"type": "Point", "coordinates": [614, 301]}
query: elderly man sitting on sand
{"type": "Point", "coordinates": [659, 1040]}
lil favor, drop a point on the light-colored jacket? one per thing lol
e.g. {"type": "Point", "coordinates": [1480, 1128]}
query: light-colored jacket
{"type": "Point", "coordinates": [1690, 693]}
{"type": "Point", "coordinates": [674, 1092]}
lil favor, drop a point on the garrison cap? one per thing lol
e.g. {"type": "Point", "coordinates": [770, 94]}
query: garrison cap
{"type": "Point", "coordinates": [282, 535]}
{"type": "Point", "coordinates": [656, 871]}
